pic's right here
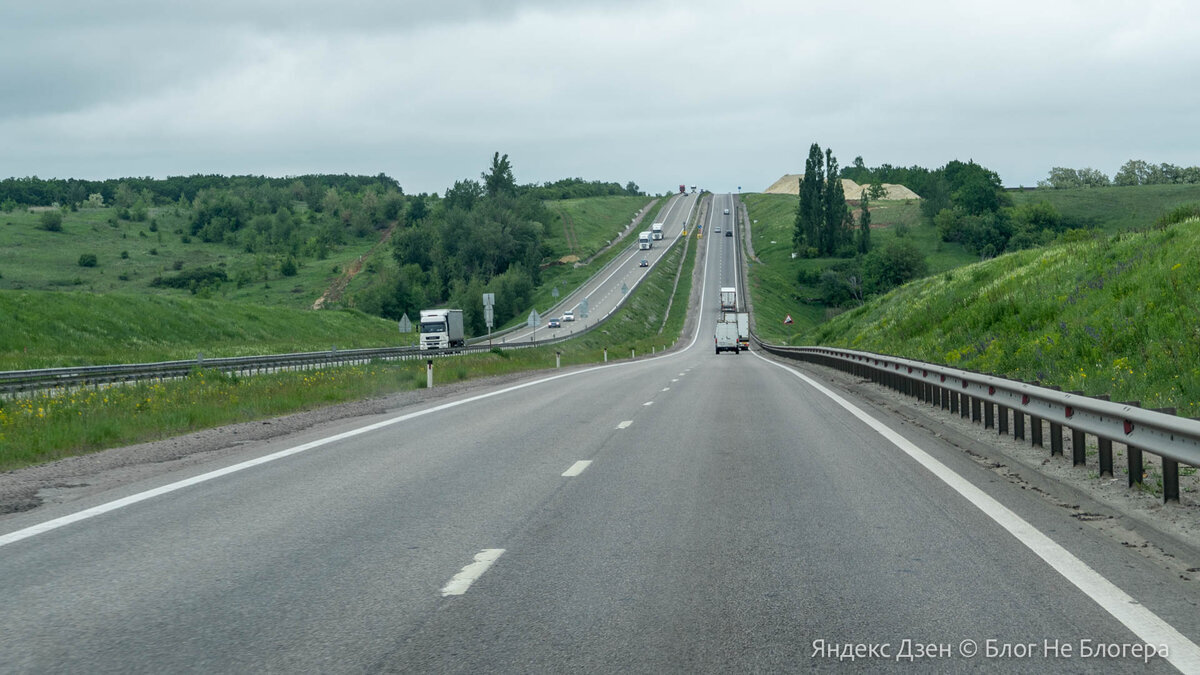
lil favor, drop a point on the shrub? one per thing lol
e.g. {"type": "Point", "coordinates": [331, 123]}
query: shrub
{"type": "Point", "coordinates": [51, 221]}
{"type": "Point", "coordinates": [288, 267]}
{"type": "Point", "coordinates": [191, 279]}
{"type": "Point", "coordinates": [1178, 215]}
{"type": "Point", "coordinates": [88, 260]}
{"type": "Point", "coordinates": [124, 255]}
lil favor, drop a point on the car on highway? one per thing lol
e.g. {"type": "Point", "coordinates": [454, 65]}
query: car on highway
{"type": "Point", "coordinates": [554, 323]}
{"type": "Point", "coordinates": [717, 229]}
{"type": "Point", "coordinates": [726, 211]}
{"type": "Point", "coordinates": [644, 263]}
{"type": "Point", "coordinates": [728, 233]}
{"type": "Point", "coordinates": [569, 315]}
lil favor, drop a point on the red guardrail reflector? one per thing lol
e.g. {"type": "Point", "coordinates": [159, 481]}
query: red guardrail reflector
{"type": "Point", "coordinates": [1071, 412]}
{"type": "Point", "coordinates": [991, 390]}
{"type": "Point", "coordinates": [1128, 427]}
{"type": "Point", "coordinates": [1024, 399]}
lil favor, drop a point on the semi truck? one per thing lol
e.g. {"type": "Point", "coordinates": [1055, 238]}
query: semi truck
{"type": "Point", "coordinates": [743, 324]}
{"type": "Point", "coordinates": [728, 299]}
{"type": "Point", "coordinates": [644, 240]}
{"type": "Point", "coordinates": [442, 329]}
{"type": "Point", "coordinates": [726, 339]}
{"type": "Point", "coordinates": [656, 231]}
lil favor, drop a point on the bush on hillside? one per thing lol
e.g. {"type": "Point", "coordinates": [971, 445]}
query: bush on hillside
{"type": "Point", "coordinates": [51, 221]}
{"type": "Point", "coordinates": [88, 260]}
{"type": "Point", "coordinates": [191, 279]}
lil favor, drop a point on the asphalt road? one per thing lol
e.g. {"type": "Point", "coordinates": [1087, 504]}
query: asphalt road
{"type": "Point", "coordinates": [606, 289]}
{"type": "Point", "coordinates": [733, 515]}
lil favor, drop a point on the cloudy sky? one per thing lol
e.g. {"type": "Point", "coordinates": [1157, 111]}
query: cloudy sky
{"type": "Point", "coordinates": [718, 93]}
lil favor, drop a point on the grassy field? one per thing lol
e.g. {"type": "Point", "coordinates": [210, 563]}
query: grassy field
{"type": "Point", "coordinates": [1115, 315]}
{"type": "Point", "coordinates": [1113, 209]}
{"type": "Point", "coordinates": [130, 254]}
{"type": "Point", "coordinates": [593, 222]}
{"type": "Point", "coordinates": [774, 284]}
{"type": "Point", "coordinates": [44, 428]}
{"type": "Point", "coordinates": [46, 329]}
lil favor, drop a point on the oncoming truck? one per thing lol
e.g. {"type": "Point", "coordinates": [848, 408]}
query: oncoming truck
{"type": "Point", "coordinates": [442, 329]}
{"type": "Point", "coordinates": [656, 231]}
{"type": "Point", "coordinates": [644, 240]}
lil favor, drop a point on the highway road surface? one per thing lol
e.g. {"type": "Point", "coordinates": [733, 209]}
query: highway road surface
{"type": "Point", "coordinates": [690, 512]}
{"type": "Point", "coordinates": [609, 286]}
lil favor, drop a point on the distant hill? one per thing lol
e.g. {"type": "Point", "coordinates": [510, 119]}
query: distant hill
{"type": "Point", "coordinates": [789, 184]}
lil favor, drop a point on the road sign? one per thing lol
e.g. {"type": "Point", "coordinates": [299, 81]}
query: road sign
{"type": "Point", "coordinates": [487, 316]}
{"type": "Point", "coordinates": [788, 319]}
{"type": "Point", "coordinates": [554, 292]}
{"type": "Point", "coordinates": [405, 324]}
{"type": "Point", "coordinates": [534, 320]}
{"type": "Point", "coordinates": [489, 299]}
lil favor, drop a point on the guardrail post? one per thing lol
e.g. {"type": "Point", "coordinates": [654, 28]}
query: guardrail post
{"type": "Point", "coordinates": [1105, 446]}
{"type": "Point", "coordinates": [943, 398]}
{"type": "Point", "coordinates": [1018, 425]}
{"type": "Point", "coordinates": [1056, 439]}
{"type": "Point", "coordinates": [1133, 457]}
{"type": "Point", "coordinates": [976, 406]}
{"type": "Point", "coordinates": [954, 403]}
{"type": "Point", "coordinates": [1078, 448]}
{"type": "Point", "coordinates": [989, 415]}
{"type": "Point", "coordinates": [964, 405]}
{"type": "Point", "coordinates": [1035, 431]}
{"type": "Point", "coordinates": [1170, 470]}
{"type": "Point", "coordinates": [1002, 418]}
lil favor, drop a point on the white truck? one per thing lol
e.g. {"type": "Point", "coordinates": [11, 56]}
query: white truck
{"type": "Point", "coordinates": [728, 299]}
{"type": "Point", "coordinates": [442, 329]}
{"type": "Point", "coordinates": [656, 231]}
{"type": "Point", "coordinates": [743, 324]}
{"type": "Point", "coordinates": [644, 240]}
{"type": "Point", "coordinates": [726, 339]}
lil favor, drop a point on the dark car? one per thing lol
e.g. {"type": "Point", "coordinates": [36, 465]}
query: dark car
{"type": "Point", "coordinates": [644, 263]}
{"type": "Point", "coordinates": [554, 323]}
{"type": "Point", "coordinates": [728, 233]}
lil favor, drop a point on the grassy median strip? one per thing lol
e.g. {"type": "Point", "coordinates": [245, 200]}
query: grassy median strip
{"type": "Point", "coordinates": [43, 428]}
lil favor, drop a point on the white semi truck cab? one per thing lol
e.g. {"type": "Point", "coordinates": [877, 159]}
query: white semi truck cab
{"type": "Point", "coordinates": [644, 240]}
{"type": "Point", "coordinates": [656, 231]}
{"type": "Point", "coordinates": [442, 329]}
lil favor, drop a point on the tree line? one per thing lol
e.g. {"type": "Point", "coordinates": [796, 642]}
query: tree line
{"type": "Point", "coordinates": [1132, 172]}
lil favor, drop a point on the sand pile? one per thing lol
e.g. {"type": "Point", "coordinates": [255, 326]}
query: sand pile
{"type": "Point", "coordinates": [790, 185]}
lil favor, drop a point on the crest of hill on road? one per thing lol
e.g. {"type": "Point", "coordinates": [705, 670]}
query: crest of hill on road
{"type": "Point", "coordinates": [790, 185]}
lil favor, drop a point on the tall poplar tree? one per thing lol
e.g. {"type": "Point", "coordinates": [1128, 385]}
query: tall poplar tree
{"type": "Point", "coordinates": [864, 225]}
{"type": "Point", "coordinates": [834, 214]}
{"type": "Point", "coordinates": [810, 209]}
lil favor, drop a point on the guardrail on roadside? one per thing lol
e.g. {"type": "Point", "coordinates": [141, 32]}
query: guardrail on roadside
{"type": "Point", "coordinates": [994, 400]}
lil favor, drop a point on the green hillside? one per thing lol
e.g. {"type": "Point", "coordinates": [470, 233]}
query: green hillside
{"type": "Point", "coordinates": [1113, 315]}
{"type": "Point", "coordinates": [44, 329]}
{"type": "Point", "coordinates": [1113, 209]}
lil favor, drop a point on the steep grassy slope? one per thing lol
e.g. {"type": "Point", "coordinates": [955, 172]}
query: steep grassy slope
{"type": "Point", "coordinates": [1113, 209]}
{"type": "Point", "coordinates": [44, 329]}
{"type": "Point", "coordinates": [1115, 315]}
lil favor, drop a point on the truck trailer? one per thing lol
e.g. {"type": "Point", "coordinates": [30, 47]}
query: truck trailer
{"type": "Point", "coordinates": [726, 338]}
{"type": "Point", "coordinates": [728, 299]}
{"type": "Point", "coordinates": [442, 329]}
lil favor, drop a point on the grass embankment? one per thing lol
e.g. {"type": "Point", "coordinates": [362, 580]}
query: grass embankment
{"type": "Point", "coordinates": [774, 286]}
{"type": "Point", "coordinates": [44, 428]}
{"type": "Point", "coordinates": [45, 329]}
{"type": "Point", "coordinates": [1113, 209]}
{"type": "Point", "coordinates": [130, 255]}
{"type": "Point", "coordinates": [1114, 315]}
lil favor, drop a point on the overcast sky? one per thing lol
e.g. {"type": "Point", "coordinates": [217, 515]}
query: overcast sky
{"type": "Point", "coordinates": [717, 93]}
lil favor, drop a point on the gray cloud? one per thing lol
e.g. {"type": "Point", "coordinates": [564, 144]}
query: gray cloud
{"type": "Point", "coordinates": [723, 94]}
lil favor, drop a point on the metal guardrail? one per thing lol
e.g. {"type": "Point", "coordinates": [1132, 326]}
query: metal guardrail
{"type": "Point", "coordinates": [992, 400]}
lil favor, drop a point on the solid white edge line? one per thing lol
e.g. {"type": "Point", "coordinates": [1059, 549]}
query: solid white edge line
{"type": "Point", "coordinates": [460, 582]}
{"type": "Point", "coordinates": [1181, 652]}
{"type": "Point", "coordinates": [577, 468]}
{"type": "Point", "coordinates": [56, 523]}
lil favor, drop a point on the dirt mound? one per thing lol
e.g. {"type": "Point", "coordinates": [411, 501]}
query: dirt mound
{"type": "Point", "coordinates": [789, 184]}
